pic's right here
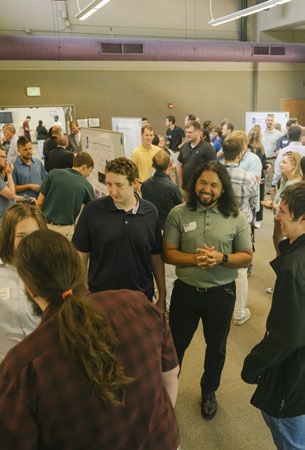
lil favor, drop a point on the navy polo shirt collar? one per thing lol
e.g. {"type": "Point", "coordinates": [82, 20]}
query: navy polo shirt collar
{"type": "Point", "coordinates": [134, 210]}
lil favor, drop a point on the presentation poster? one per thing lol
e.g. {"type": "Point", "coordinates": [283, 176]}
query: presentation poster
{"type": "Point", "coordinates": [131, 128]}
{"type": "Point", "coordinates": [259, 118]}
{"type": "Point", "coordinates": [103, 146]}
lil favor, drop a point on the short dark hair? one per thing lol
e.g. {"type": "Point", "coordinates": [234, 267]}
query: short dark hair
{"type": "Point", "coordinates": [291, 122]}
{"type": "Point", "coordinates": [230, 126]}
{"type": "Point", "coordinates": [206, 123]}
{"type": "Point", "coordinates": [294, 133]}
{"type": "Point", "coordinates": [190, 117]}
{"type": "Point", "coordinates": [227, 203]}
{"type": "Point", "coordinates": [155, 140]}
{"type": "Point", "coordinates": [206, 135]}
{"type": "Point", "coordinates": [232, 147]}
{"type": "Point", "coordinates": [294, 196]}
{"type": "Point", "coordinates": [22, 141]}
{"type": "Point", "coordinates": [171, 119]}
{"type": "Point", "coordinates": [83, 158]}
{"type": "Point", "coordinates": [123, 166]}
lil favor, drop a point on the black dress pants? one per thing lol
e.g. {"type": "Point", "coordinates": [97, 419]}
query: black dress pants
{"type": "Point", "coordinates": [215, 308]}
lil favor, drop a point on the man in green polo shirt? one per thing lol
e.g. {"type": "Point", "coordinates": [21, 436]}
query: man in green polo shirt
{"type": "Point", "coordinates": [207, 239]}
{"type": "Point", "coordinates": [63, 192]}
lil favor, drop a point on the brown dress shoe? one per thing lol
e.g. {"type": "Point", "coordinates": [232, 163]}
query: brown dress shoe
{"type": "Point", "coordinates": [208, 405]}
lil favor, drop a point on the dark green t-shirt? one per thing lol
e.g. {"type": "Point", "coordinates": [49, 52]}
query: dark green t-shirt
{"type": "Point", "coordinates": [65, 191]}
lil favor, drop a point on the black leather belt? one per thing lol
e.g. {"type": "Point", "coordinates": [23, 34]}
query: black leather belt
{"type": "Point", "coordinates": [209, 289]}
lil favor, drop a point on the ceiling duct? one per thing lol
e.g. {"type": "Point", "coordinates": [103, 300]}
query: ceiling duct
{"type": "Point", "coordinates": [32, 48]}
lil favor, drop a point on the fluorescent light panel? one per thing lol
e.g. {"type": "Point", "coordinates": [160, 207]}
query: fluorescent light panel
{"type": "Point", "coordinates": [91, 9]}
{"type": "Point", "coordinates": [247, 11]}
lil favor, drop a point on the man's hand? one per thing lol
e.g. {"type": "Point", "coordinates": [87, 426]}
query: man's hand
{"type": "Point", "coordinates": [35, 187]}
{"type": "Point", "coordinates": [9, 168]}
{"type": "Point", "coordinates": [208, 257]}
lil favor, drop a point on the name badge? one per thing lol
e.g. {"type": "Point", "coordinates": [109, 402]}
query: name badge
{"type": "Point", "coordinates": [190, 226]}
{"type": "Point", "coordinates": [4, 293]}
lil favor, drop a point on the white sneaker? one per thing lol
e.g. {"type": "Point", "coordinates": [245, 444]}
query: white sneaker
{"type": "Point", "coordinates": [243, 319]}
{"type": "Point", "coordinates": [257, 225]}
{"type": "Point", "coordinates": [269, 290]}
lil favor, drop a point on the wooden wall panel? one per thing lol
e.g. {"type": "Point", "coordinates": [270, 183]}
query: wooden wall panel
{"type": "Point", "coordinates": [296, 109]}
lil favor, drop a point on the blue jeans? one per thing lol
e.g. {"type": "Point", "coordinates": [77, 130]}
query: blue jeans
{"type": "Point", "coordinates": [287, 433]}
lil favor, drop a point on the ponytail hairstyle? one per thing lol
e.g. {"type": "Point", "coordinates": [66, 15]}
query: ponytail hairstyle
{"type": "Point", "coordinates": [51, 268]}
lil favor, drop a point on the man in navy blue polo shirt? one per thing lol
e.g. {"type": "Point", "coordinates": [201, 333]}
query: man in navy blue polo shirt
{"type": "Point", "coordinates": [28, 172]}
{"type": "Point", "coordinates": [120, 235]}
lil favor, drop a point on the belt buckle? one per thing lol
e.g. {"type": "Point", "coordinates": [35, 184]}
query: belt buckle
{"type": "Point", "coordinates": [201, 289]}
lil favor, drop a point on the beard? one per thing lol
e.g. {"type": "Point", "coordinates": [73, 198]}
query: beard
{"type": "Point", "coordinates": [206, 201]}
{"type": "Point", "coordinates": [35, 308]}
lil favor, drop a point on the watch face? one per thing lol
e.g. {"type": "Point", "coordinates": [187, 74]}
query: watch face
{"type": "Point", "coordinates": [225, 258]}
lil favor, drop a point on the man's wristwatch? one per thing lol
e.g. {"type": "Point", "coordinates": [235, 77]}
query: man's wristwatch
{"type": "Point", "coordinates": [225, 258]}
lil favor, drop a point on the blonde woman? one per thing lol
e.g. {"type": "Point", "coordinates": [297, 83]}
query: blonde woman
{"type": "Point", "coordinates": [291, 173]}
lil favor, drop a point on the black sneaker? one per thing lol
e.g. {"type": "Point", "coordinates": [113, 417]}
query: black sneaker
{"type": "Point", "coordinates": [208, 405]}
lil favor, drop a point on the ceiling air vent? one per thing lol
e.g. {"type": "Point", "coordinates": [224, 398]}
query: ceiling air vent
{"type": "Point", "coordinates": [260, 50]}
{"type": "Point", "coordinates": [111, 48]}
{"type": "Point", "coordinates": [123, 49]}
{"type": "Point", "coordinates": [133, 48]}
{"type": "Point", "coordinates": [278, 51]}
{"type": "Point", "coordinates": [268, 50]}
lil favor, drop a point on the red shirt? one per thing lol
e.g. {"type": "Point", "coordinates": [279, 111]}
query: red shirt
{"type": "Point", "coordinates": [46, 401]}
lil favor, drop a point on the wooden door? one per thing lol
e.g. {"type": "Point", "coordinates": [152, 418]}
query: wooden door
{"type": "Point", "coordinates": [296, 109]}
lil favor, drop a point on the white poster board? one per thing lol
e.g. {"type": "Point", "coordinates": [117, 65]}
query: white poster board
{"type": "Point", "coordinates": [131, 127]}
{"type": "Point", "coordinates": [259, 118]}
{"type": "Point", "coordinates": [103, 146]}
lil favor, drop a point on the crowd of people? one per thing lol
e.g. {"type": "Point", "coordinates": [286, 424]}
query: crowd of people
{"type": "Point", "coordinates": [98, 333]}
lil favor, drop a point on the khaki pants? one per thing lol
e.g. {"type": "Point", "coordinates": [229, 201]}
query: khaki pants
{"type": "Point", "coordinates": [65, 230]}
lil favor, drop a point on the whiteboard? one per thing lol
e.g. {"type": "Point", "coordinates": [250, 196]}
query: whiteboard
{"type": "Point", "coordinates": [259, 118]}
{"type": "Point", "coordinates": [103, 146]}
{"type": "Point", "coordinates": [132, 128]}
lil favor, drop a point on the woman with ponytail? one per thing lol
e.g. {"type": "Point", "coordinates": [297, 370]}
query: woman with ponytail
{"type": "Point", "coordinates": [99, 372]}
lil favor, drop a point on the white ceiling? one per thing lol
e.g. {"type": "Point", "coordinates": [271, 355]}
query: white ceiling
{"type": "Point", "coordinates": [183, 19]}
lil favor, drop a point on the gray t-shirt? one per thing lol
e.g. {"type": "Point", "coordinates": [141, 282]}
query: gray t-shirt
{"type": "Point", "coordinates": [188, 230]}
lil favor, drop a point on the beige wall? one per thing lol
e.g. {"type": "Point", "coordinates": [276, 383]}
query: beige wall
{"type": "Point", "coordinates": [210, 90]}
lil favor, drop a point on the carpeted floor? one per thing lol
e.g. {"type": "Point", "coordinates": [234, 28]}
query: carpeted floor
{"type": "Point", "coordinates": [237, 424]}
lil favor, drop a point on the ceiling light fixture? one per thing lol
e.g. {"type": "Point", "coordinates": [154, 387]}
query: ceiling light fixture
{"type": "Point", "coordinates": [91, 9]}
{"type": "Point", "coordinates": [247, 11]}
